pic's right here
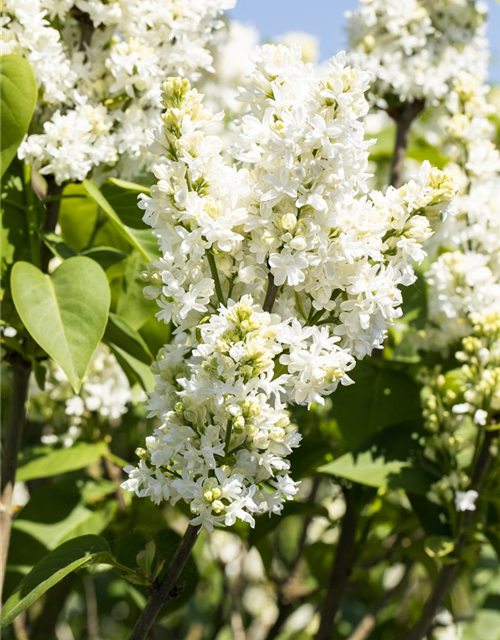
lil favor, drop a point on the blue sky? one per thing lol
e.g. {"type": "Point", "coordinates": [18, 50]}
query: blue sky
{"type": "Point", "coordinates": [325, 19]}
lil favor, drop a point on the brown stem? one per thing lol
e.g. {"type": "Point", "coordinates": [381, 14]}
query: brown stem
{"type": "Point", "coordinates": [14, 427]}
{"type": "Point", "coordinates": [162, 593]}
{"type": "Point", "coordinates": [449, 572]}
{"type": "Point", "coordinates": [403, 115]}
{"type": "Point", "coordinates": [92, 611]}
{"type": "Point", "coordinates": [341, 569]}
{"type": "Point", "coordinates": [86, 27]}
{"type": "Point", "coordinates": [271, 293]}
{"type": "Point", "coordinates": [115, 474]}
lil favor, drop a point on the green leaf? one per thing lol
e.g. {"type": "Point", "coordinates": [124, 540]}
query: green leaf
{"type": "Point", "coordinates": [439, 546]}
{"type": "Point", "coordinates": [15, 241]}
{"type": "Point", "coordinates": [65, 313]}
{"type": "Point", "coordinates": [57, 246]}
{"type": "Point", "coordinates": [381, 397]}
{"type": "Point", "coordinates": [59, 512]}
{"type": "Point", "coordinates": [105, 256]}
{"type": "Point", "coordinates": [18, 93]}
{"type": "Point", "coordinates": [45, 462]}
{"type": "Point", "coordinates": [131, 351]}
{"type": "Point", "coordinates": [383, 462]}
{"type": "Point", "coordinates": [486, 626]}
{"type": "Point", "coordinates": [70, 556]}
{"type": "Point", "coordinates": [131, 303]}
{"type": "Point", "coordinates": [78, 216]}
{"type": "Point", "coordinates": [264, 526]}
{"type": "Point", "coordinates": [119, 203]}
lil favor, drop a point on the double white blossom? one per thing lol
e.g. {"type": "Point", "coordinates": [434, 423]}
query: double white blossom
{"type": "Point", "coordinates": [105, 395]}
{"type": "Point", "coordinates": [288, 223]}
{"type": "Point", "coordinates": [99, 67]}
{"type": "Point", "coordinates": [465, 277]}
{"type": "Point", "coordinates": [416, 48]}
{"type": "Point", "coordinates": [226, 434]}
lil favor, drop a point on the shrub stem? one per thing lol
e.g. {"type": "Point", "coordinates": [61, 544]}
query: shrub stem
{"type": "Point", "coordinates": [21, 370]}
{"type": "Point", "coordinates": [163, 593]}
{"type": "Point", "coordinates": [341, 569]}
{"type": "Point", "coordinates": [403, 116]}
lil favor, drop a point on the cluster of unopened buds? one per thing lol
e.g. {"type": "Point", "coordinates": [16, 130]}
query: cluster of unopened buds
{"type": "Point", "coordinates": [277, 268]}
{"type": "Point", "coordinates": [459, 403]}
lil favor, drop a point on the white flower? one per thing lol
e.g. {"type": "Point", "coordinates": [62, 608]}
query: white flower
{"type": "Point", "coordinates": [117, 62]}
{"type": "Point", "coordinates": [466, 500]}
{"type": "Point", "coordinates": [279, 221]}
{"type": "Point", "coordinates": [105, 395]}
{"type": "Point", "coordinates": [414, 49]}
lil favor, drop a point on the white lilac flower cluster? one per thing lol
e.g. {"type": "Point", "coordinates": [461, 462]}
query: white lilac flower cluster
{"type": "Point", "coordinates": [288, 224]}
{"type": "Point", "coordinates": [105, 394]}
{"type": "Point", "coordinates": [233, 50]}
{"type": "Point", "coordinates": [99, 66]}
{"type": "Point", "coordinates": [226, 434]}
{"type": "Point", "coordinates": [465, 276]}
{"type": "Point", "coordinates": [416, 48]}
{"type": "Point", "coordinates": [459, 403]}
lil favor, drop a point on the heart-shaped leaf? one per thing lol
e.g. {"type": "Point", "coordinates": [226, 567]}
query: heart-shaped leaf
{"type": "Point", "coordinates": [18, 92]}
{"type": "Point", "coordinates": [65, 313]}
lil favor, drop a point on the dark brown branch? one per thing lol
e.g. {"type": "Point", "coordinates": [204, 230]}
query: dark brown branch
{"type": "Point", "coordinates": [14, 427]}
{"type": "Point", "coordinates": [162, 594]}
{"type": "Point", "coordinates": [272, 292]}
{"type": "Point", "coordinates": [403, 116]}
{"type": "Point", "coordinates": [341, 568]}
{"type": "Point", "coordinates": [449, 572]}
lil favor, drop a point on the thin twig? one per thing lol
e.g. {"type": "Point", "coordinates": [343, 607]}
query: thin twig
{"type": "Point", "coordinates": [14, 427]}
{"type": "Point", "coordinates": [404, 115]}
{"type": "Point", "coordinates": [115, 474]}
{"type": "Point", "coordinates": [271, 293]}
{"type": "Point", "coordinates": [449, 572]}
{"type": "Point", "coordinates": [92, 611]}
{"type": "Point", "coordinates": [341, 568]}
{"type": "Point", "coordinates": [163, 593]}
